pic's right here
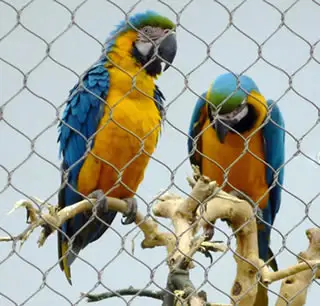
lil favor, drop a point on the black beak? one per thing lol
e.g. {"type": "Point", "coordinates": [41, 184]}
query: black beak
{"type": "Point", "coordinates": [223, 125]}
{"type": "Point", "coordinates": [167, 50]}
{"type": "Point", "coordinates": [222, 129]}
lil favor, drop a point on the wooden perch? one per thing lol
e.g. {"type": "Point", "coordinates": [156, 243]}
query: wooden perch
{"type": "Point", "coordinates": [181, 249]}
{"type": "Point", "coordinates": [245, 288]}
{"type": "Point", "coordinates": [201, 209]}
{"type": "Point", "coordinates": [298, 278]}
{"type": "Point", "coordinates": [158, 295]}
{"type": "Point", "coordinates": [241, 218]}
{"type": "Point", "coordinates": [181, 246]}
{"type": "Point", "coordinates": [182, 213]}
{"type": "Point", "coordinates": [53, 218]}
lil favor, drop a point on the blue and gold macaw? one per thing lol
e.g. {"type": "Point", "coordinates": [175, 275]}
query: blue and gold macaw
{"type": "Point", "coordinates": [217, 144]}
{"type": "Point", "coordinates": [110, 126]}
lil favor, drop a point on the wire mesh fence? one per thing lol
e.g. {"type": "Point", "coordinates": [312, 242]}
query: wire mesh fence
{"type": "Point", "coordinates": [46, 48]}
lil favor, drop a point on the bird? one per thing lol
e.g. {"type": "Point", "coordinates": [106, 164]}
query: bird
{"type": "Point", "coordinates": [237, 138]}
{"type": "Point", "coordinates": [110, 127]}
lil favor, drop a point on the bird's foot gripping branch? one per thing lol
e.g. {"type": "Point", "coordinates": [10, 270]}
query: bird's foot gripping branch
{"type": "Point", "coordinates": [201, 209]}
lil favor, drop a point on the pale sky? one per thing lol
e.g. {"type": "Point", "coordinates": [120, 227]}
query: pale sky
{"type": "Point", "coordinates": [29, 151]}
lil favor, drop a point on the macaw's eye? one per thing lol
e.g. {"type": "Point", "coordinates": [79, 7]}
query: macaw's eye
{"type": "Point", "coordinates": [147, 30]}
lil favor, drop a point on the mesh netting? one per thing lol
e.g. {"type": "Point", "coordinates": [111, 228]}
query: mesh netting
{"type": "Point", "coordinates": [45, 46]}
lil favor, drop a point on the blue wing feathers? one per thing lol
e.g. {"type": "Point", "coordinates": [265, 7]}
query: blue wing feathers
{"type": "Point", "coordinates": [82, 114]}
{"type": "Point", "coordinates": [159, 97]}
{"type": "Point", "coordinates": [195, 128]}
{"type": "Point", "coordinates": [79, 122]}
{"type": "Point", "coordinates": [274, 136]}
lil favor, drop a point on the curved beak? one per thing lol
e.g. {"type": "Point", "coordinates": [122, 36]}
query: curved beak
{"type": "Point", "coordinates": [223, 125]}
{"type": "Point", "coordinates": [221, 130]}
{"type": "Point", "coordinates": [167, 49]}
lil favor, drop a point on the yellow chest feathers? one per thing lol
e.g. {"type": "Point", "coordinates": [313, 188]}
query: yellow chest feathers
{"type": "Point", "coordinates": [126, 74]}
{"type": "Point", "coordinates": [244, 164]}
{"type": "Point", "coordinates": [130, 103]}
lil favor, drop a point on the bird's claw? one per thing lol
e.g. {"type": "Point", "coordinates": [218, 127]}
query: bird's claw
{"type": "Point", "coordinates": [206, 253]}
{"type": "Point", "coordinates": [131, 213]}
{"type": "Point", "coordinates": [207, 247]}
{"type": "Point", "coordinates": [101, 205]}
{"type": "Point", "coordinates": [208, 232]}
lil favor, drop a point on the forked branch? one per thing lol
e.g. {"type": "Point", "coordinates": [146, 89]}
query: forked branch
{"type": "Point", "coordinates": [201, 209]}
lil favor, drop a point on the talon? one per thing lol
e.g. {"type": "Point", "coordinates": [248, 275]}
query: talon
{"type": "Point", "coordinates": [101, 205]}
{"type": "Point", "coordinates": [131, 213]}
{"type": "Point", "coordinates": [208, 232]}
{"type": "Point", "coordinates": [207, 247]}
{"type": "Point", "coordinates": [28, 221]}
{"type": "Point", "coordinates": [206, 253]}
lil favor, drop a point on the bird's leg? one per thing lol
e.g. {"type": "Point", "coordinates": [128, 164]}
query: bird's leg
{"type": "Point", "coordinates": [101, 205]}
{"type": "Point", "coordinates": [242, 196]}
{"type": "Point", "coordinates": [130, 214]}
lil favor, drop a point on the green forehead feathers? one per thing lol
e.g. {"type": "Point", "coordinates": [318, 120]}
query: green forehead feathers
{"type": "Point", "coordinates": [152, 19]}
{"type": "Point", "coordinates": [148, 18]}
{"type": "Point", "coordinates": [227, 85]}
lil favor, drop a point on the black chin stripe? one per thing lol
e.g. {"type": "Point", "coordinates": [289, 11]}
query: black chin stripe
{"type": "Point", "coordinates": [248, 121]}
{"type": "Point", "coordinates": [244, 124]}
{"type": "Point", "coordinates": [153, 68]}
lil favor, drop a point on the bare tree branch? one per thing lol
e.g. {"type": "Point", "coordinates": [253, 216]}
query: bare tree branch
{"type": "Point", "coordinates": [188, 215]}
{"type": "Point", "coordinates": [241, 218]}
{"type": "Point", "coordinates": [53, 218]}
{"type": "Point", "coordinates": [295, 286]}
{"type": "Point", "coordinates": [158, 295]}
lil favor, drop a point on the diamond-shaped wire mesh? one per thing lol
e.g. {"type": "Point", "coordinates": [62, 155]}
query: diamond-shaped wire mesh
{"type": "Point", "coordinates": [46, 45]}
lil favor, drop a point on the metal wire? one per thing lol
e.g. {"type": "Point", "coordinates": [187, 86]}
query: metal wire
{"type": "Point", "coordinates": [11, 187]}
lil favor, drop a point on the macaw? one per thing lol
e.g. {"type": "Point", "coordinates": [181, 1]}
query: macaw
{"type": "Point", "coordinates": [235, 142]}
{"type": "Point", "coordinates": [110, 127]}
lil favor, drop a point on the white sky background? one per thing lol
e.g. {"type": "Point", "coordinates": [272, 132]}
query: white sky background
{"type": "Point", "coordinates": [37, 174]}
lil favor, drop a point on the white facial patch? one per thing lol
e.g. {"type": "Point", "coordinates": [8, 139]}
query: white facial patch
{"type": "Point", "coordinates": [236, 115]}
{"type": "Point", "coordinates": [144, 47]}
{"type": "Point", "coordinates": [149, 37]}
